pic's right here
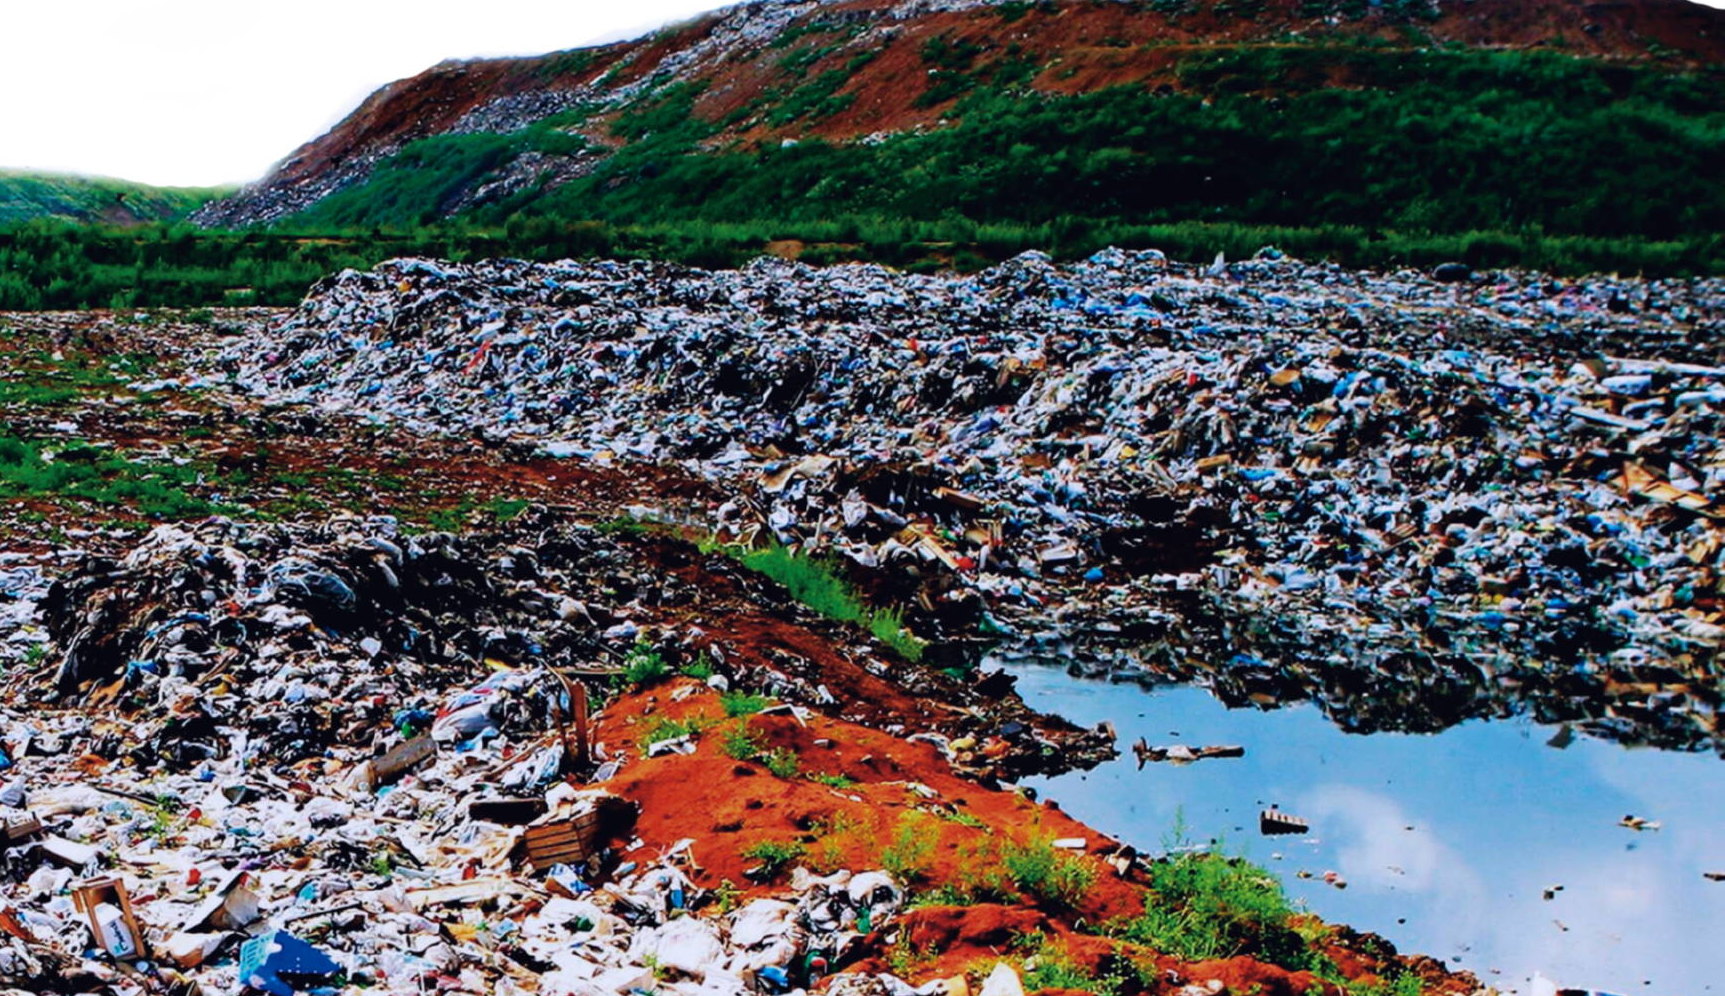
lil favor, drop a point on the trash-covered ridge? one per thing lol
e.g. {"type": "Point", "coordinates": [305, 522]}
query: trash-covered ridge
{"type": "Point", "coordinates": [1493, 490]}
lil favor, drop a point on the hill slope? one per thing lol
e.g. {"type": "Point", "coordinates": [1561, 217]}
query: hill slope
{"type": "Point", "coordinates": [28, 196]}
{"type": "Point", "coordinates": [1488, 114]}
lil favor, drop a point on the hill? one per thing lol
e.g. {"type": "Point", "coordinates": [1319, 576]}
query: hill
{"type": "Point", "coordinates": [1595, 119]}
{"type": "Point", "coordinates": [26, 196]}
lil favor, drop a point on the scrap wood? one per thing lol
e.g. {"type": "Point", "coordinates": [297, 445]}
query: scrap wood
{"type": "Point", "coordinates": [1637, 479]}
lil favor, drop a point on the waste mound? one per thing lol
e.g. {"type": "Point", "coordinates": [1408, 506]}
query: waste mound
{"type": "Point", "coordinates": [1503, 479]}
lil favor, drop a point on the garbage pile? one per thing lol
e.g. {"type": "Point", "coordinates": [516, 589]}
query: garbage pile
{"type": "Point", "coordinates": [338, 758]}
{"type": "Point", "coordinates": [277, 644]}
{"type": "Point", "coordinates": [304, 638]}
{"type": "Point", "coordinates": [217, 882]}
{"type": "Point", "coordinates": [1503, 484]}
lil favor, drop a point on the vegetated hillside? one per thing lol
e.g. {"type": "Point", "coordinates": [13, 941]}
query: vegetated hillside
{"type": "Point", "coordinates": [30, 196]}
{"type": "Point", "coordinates": [1555, 116]}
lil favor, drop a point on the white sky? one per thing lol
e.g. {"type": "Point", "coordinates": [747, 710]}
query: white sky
{"type": "Point", "coordinates": [203, 92]}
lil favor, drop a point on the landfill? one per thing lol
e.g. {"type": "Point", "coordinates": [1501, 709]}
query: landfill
{"type": "Point", "coordinates": [337, 757]}
{"type": "Point", "coordinates": [1413, 497]}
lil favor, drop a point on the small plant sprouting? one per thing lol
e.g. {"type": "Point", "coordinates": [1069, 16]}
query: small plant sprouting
{"type": "Point", "coordinates": [644, 667]}
{"type": "Point", "coordinates": [782, 762]}
{"type": "Point", "coordinates": [774, 856]}
{"type": "Point", "coordinates": [908, 857]}
{"type": "Point", "coordinates": [665, 728]}
{"type": "Point", "coordinates": [742, 743]}
{"type": "Point", "coordinates": [743, 704]}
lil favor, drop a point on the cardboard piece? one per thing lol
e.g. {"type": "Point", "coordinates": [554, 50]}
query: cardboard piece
{"type": "Point", "coordinates": [231, 905]}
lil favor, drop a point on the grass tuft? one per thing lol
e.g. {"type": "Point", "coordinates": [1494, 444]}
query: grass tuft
{"type": "Point", "coordinates": [1048, 872]}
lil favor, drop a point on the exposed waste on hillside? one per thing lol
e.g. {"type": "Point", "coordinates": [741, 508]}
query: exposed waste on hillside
{"type": "Point", "coordinates": [470, 867]}
{"type": "Point", "coordinates": [1413, 497]}
{"type": "Point", "coordinates": [341, 757]}
{"type": "Point", "coordinates": [349, 629]}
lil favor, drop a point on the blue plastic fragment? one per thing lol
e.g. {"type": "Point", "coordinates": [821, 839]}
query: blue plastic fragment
{"type": "Point", "coordinates": [265, 959]}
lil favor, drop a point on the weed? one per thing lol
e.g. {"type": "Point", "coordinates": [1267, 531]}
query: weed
{"type": "Point", "coordinates": [904, 958]}
{"type": "Point", "coordinates": [35, 654]}
{"type": "Point", "coordinates": [1050, 967]}
{"type": "Point", "coordinates": [774, 856]}
{"type": "Point", "coordinates": [742, 743]}
{"type": "Point", "coordinates": [162, 821]}
{"type": "Point", "coordinates": [382, 864]}
{"type": "Point", "coordinates": [783, 763]}
{"type": "Point", "coordinates": [964, 819]}
{"type": "Point", "coordinates": [725, 896]}
{"type": "Point", "coordinates": [1212, 906]}
{"type": "Point", "coordinates": [665, 728]}
{"type": "Point", "coordinates": [1048, 872]}
{"type": "Point", "coordinates": [837, 840]}
{"type": "Point", "coordinates": [833, 781]}
{"type": "Point", "coordinates": [644, 666]}
{"type": "Point", "coordinates": [907, 859]}
{"type": "Point", "coordinates": [701, 669]}
{"type": "Point", "coordinates": [978, 877]}
{"type": "Point", "coordinates": [743, 704]}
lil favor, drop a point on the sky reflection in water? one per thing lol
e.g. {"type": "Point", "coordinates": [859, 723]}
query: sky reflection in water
{"type": "Point", "coordinates": [1446, 841]}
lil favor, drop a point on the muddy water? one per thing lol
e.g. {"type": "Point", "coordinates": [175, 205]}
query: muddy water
{"type": "Point", "coordinates": [1447, 842]}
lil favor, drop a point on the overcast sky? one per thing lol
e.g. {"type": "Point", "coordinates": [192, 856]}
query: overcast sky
{"type": "Point", "coordinates": [203, 92]}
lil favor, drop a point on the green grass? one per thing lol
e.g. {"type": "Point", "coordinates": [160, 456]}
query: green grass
{"type": "Point", "coordinates": [833, 781]}
{"type": "Point", "coordinates": [743, 703]}
{"type": "Point", "coordinates": [816, 584]}
{"type": "Point", "coordinates": [1047, 872]}
{"type": "Point", "coordinates": [1208, 906]}
{"type": "Point", "coordinates": [1047, 966]}
{"type": "Point", "coordinates": [86, 473]}
{"type": "Point", "coordinates": [455, 518]}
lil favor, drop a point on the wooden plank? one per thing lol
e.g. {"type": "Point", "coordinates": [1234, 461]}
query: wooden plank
{"type": "Point", "coordinates": [403, 757]}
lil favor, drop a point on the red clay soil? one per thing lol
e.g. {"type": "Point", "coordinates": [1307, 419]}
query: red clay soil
{"type": "Point", "coordinates": [903, 799]}
{"type": "Point", "coordinates": [709, 794]}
